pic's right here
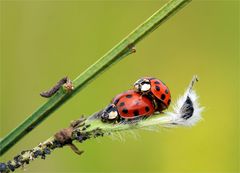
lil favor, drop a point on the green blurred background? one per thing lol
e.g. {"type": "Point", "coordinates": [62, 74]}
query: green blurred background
{"type": "Point", "coordinates": [42, 41]}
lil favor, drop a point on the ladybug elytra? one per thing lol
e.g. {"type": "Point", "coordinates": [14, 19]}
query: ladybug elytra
{"type": "Point", "coordinates": [127, 106]}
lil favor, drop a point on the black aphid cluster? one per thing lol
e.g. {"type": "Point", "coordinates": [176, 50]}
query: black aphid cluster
{"type": "Point", "coordinates": [15, 163]}
{"type": "Point", "coordinates": [3, 167]}
{"type": "Point", "coordinates": [20, 161]}
{"type": "Point", "coordinates": [41, 153]}
{"type": "Point", "coordinates": [82, 135]}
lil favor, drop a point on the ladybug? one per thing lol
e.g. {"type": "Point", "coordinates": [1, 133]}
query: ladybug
{"type": "Point", "coordinates": [156, 89]}
{"type": "Point", "coordinates": [130, 105]}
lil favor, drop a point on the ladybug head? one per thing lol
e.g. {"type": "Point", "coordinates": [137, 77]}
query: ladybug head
{"type": "Point", "coordinates": [142, 85]}
{"type": "Point", "coordinates": [110, 113]}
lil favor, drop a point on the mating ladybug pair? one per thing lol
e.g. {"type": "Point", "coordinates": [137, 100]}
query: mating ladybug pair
{"type": "Point", "coordinates": [148, 96]}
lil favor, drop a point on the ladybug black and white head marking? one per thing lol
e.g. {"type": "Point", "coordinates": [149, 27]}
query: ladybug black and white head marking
{"type": "Point", "coordinates": [142, 85]}
{"type": "Point", "coordinates": [110, 113]}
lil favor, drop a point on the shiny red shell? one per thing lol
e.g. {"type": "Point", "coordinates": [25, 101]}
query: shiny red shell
{"type": "Point", "coordinates": [160, 91]}
{"type": "Point", "coordinates": [131, 104]}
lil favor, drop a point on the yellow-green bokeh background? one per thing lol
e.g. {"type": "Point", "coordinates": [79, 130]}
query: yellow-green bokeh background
{"type": "Point", "coordinates": [42, 41]}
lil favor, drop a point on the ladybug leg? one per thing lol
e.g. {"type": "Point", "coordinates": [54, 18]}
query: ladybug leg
{"type": "Point", "coordinates": [110, 114]}
{"type": "Point", "coordinates": [132, 121]}
{"type": "Point", "coordinates": [66, 82]}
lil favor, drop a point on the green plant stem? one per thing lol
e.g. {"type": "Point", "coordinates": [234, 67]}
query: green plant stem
{"type": "Point", "coordinates": [115, 54]}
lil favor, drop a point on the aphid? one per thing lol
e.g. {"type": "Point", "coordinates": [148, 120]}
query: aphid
{"type": "Point", "coordinates": [10, 166]}
{"type": "Point", "coordinates": [129, 105]}
{"type": "Point", "coordinates": [37, 153]}
{"type": "Point", "coordinates": [156, 89]}
{"type": "Point", "coordinates": [3, 167]}
{"type": "Point", "coordinates": [17, 158]}
{"type": "Point", "coordinates": [47, 151]}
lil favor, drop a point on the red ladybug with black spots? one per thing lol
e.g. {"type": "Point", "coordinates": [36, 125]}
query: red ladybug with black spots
{"type": "Point", "coordinates": [129, 105]}
{"type": "Point", "coordinates": [156, 89]}
{"type": "Point", "coordinates": [149, 95]}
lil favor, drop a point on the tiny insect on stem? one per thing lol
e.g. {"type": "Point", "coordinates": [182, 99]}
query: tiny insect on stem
{"type": "Point", "coordinates": [64, 81]}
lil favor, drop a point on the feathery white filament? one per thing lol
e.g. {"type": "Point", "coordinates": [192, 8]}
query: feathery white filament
{"type": "Point", "coordinates": [175, 117]}
{"type": "Point", "coordinates": [181, 108]}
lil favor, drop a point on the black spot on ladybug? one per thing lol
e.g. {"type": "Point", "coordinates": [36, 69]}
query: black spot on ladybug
{"type": "Point", "coordinates": [122, 104]}
{"type": "Point", "coordinates": [125, 111]}
{"type": "Point", "coordinates": [136, 113]}
{"type": "Point", "coordinates": [116, 101]}
{"type": "Point", "coordinates": [169, 101]}
{"type": "Point", "coordinates": [157, 88]}
{"type": "Point", "coordinates": [147, 109]}
{"type": "Point", "coordinates": [129, 96]}
{"type": "Point", "coordinates": [163, 96]}
{"type": "Point", "coordinates": [166, 91]}
{"type": "Point", "coordinates": [157, 82]}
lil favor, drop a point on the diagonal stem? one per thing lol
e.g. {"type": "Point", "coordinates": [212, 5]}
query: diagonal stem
{"type": "Point", "coordinates": [114, 55]}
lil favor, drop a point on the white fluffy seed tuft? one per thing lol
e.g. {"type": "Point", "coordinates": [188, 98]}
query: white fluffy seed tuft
{"type": "Point", "coordinates": [179, 111]}
{"type": "Point", "coordinates": [181, 108]}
